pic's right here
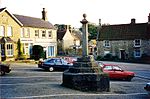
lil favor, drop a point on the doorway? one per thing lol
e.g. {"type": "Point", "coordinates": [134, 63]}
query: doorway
{"type": "Point", "coordinates": [122, 54]}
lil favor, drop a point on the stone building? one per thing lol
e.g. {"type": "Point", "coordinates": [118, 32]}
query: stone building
{"type": "Point", "coordinates": [38, 31]}
{"type": "Point", "coordinates": [67, 38]}
{"type": "Point", "coordinates": [126, 41]}
{"type": "Point", "coordinates": [9, 34]}
{"type": "Point", "coordinates": [29, 30]}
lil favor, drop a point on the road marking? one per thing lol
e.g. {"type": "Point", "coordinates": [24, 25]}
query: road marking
{"type": "Point", "coordinates": [40, 83]}
{"type": "Point", "coordinates": [58, 95]}
{"type": "Point", "coordinates": [30, 77]}
{"type": "Point", "coordinates": [143, 77]}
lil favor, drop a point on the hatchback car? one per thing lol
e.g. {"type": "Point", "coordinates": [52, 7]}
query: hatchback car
{"type": "Point", "coordinates": [52, 64]}
{"type": "Point", "coordinates": [115, 72]}
{"type": "Point", "coordinates": [4, 68]}
{"type": "Point", "coordinates": [147, 88]}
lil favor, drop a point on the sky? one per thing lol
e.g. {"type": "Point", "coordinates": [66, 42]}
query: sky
{"type": "Point", "coordinates": [71, 12]}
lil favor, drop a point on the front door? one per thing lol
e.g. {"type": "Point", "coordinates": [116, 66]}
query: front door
{"type": "Point", "coordinates": [122, 54]}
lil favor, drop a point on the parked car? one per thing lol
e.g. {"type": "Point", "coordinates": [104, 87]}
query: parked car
{"type": "Point", "coordinates": [147, 88]}
{"type": "Point", "coordinates": [4, 68]}
{"type": "Point", "coordinates": [70, 59]}
{"type": "Point", "coordinates": [52, 64]}
{"type": "Point", "coordinates": [115, 72]}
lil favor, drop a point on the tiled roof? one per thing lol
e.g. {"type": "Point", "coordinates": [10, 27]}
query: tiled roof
{"type": "Point", "coordinates": [77, 34]}
{"type": "Point", "coordinates": [1, 9]}
{"type": "Point", "coordinates": [62, 31]}
{"type": "Point", "coordinates": [33, 22]}
{"type": "Point", "coordinates": [125, 32]}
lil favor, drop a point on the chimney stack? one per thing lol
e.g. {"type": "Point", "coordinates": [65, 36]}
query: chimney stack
{"type": "Point", "coordinates": [149, 19]}
{"type": "Point", "coordinates": [99, 22]}
{"type": "Point", "coordinates": [133, 21]}
{"type": "Point", "coordinates": [44, 15]}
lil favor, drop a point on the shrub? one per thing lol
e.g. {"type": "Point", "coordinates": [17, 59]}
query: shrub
{"type": "Point", "coordinates": [99, 58]}
{"type": "Point", "coordinates": [108, 57]}
{"type": "Point", "coordinates": [38, 52]}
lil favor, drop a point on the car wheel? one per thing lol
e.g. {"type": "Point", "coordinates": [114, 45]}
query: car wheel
{"type": "Point", "coordinates": [51, 69]}
{"type": "Point", "coordinates": [129, 78]}
{"type": "Point", "coordinates": [2, 73]}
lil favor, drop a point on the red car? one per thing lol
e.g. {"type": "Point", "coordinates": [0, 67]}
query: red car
{"type": "Point", "coordinates": [115, 72]}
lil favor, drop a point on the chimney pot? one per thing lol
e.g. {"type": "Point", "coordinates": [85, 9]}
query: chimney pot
{"type": "Point", "coordinates": [133, 21]}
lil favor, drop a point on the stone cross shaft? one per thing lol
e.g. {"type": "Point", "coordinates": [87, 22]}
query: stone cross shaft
{"type": "Point", "coordinates": [84, 36]}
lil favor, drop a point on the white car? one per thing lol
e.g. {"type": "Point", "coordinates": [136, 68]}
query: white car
{"type": "Point", "coordinates": [147, 88]}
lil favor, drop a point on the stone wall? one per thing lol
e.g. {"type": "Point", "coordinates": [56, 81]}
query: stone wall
{"type": "Point", "coordinates": [127, 45]}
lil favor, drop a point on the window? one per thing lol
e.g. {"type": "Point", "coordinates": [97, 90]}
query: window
{"type": "Point", "coordinates": [137, 43]}
{"type": "Point", "coordinates": [30, 48]}
{"type": "Point", "coordinates": [43, 33]}
{"type": "Point", "coordinates": [9, 31]}
{"type": "Point", "coordinates": [116, 68]}
{"type": "Point", "coordinates": [50, 34]}
{"type": "Point", "coordinates": [36, 33]}
{"type": "Point", "coordinates": [107, 43]}
{"type": "Point", "coordinates": [22, 32]}
{"type": "Point", "coordinates": [108, 68]}
{"type": "Point", "coordinates": [2, 30]}
{"type": "Point", "coordinates": [137, 53]}
{"type": "Point", "coordinates": [51, 51]}
{"type": "Point", "coordinates": [9, 50]}
{"type": "Point", "coordinates": [27, 33]}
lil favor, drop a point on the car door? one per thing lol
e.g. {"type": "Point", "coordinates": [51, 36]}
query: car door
{"type": "Point", "coordinates": [118, 72]}
{"type": "Point", "coordinates": [49, 63]}
{"type": "Point", "coordinates": [108, 69]}
{"type": "Point", "coordinates": [58, 64]}
{"type": "Point", "coordinates": [65, 64]}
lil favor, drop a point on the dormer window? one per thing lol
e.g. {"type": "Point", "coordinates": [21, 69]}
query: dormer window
{"type": "Point", "coordinates": [107, 43]}
{"type": "Point", "coordinates": [137, 43]}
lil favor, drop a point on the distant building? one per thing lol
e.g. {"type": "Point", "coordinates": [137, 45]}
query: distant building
{"type": "Point", "coordinates": [67, 38]}
{"type": "Point", "coordinates": [125, 41]}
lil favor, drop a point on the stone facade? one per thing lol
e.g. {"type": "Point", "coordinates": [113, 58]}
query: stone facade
{"type": "Point", "coordinates": [9, 21]}
{"type": "Point", "coordinates": [67, 38]}
{"type": "Point", "coordinates": [126, 41]}
{"type": "Point", "coordinates": [116, 46]}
